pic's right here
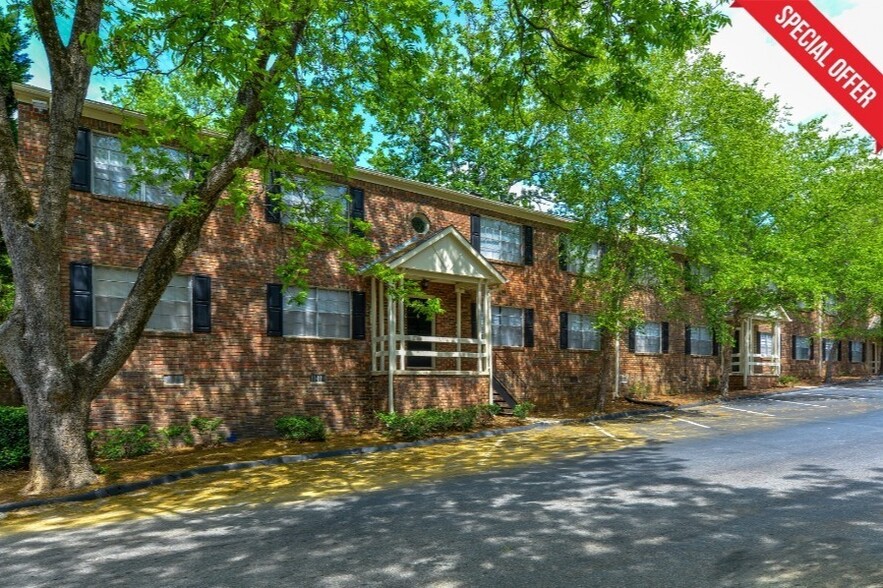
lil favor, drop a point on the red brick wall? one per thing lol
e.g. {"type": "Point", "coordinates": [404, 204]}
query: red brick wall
{"type": "Point", "coordinates": [239, 373]}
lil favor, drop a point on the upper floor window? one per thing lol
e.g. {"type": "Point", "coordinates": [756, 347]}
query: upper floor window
{"type": "Point", "coordinates": [584, 262]}
{"type": "Point", "coordinates": [507, 326]}
{"type": "Point", "coordinates": [701, 341]}
{"type": "Point", "coordinates": [111, 287]}
{"type": "Point", "coordinates": [582, 333]}
{"type": "Point", "coordinates": [113, 173]}
{"type": "Point", "coordinates": [323, 313]}
{"type": "Point", "coordinates": [319, 203]}
{"type": "Point", "coordinates": [501, 240]}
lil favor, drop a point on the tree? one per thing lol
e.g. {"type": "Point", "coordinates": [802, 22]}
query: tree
{"type": "Point", "coordinates": [235, 84]}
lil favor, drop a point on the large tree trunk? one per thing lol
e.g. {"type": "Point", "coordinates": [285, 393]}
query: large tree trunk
{"type": "Point", "coordinates": [829, 367]}
{"type": "Point", "coordinates": [59, 455]}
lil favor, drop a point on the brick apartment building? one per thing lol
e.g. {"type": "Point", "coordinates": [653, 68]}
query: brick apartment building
{"type": "Point", "coordinates": [227, 341]}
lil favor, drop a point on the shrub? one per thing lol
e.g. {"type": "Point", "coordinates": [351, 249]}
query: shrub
{"type": "Point", "coordinates": [426, 422]}
{"type": "Point", "coordinates": [122, 443]}
{"type": "Point", "coordinates": [788, 380]}
{"type": "Point", "coordinates": [522, 409]}
{"type": "Point", "coordinates": [301, 428]}
{"type": "Point", "coordinates": [14, 447]}
{"type": "Point", "coordinates": [207, 427]}
{"type": "Point", "coordinates": [488, 410]}
{"type": "Point", "coordinates": [173, 433]}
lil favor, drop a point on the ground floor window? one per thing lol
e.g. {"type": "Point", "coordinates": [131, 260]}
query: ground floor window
{"type": "Point", "coordinates": [507, 326]}
{"type": "Point", "coordinates": [802, 347]}
{"type": "Point", "coordinates": [856, 352]}
{"type": "Point", "coordinates": [321, 313]}
{"type": "Point", "coordinates": [581, 332]}
{"type": "Point", "coordinates": [765, 344]}
{"type": "Point", "coordinates": [831, 350]}
{"type": "Point", "coordinates": [111, 287]}
{"type": "Point", "coordinates": [648, 338]}
{"type": "Point", "coordinates": [701, 341]}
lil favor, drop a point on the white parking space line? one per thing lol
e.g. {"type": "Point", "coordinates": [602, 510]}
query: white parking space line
{"type": "Point", "coordinates": [686, 421]}
{"type": "Point", "coordinates": [802, 403]}
{"type": "Point", "coordinates": [608, 433]}
{"type": "Point", "coordinates": [751, 411]}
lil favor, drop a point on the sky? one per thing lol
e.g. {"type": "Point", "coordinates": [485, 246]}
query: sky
{"type": "Point", "coordinates": [748, 50]}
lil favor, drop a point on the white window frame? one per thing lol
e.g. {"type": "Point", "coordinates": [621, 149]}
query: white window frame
{"type": "Point", "coordinates": [498, 311]}
{"type": "Point", "coordinates": [764, 349]}
{"type": "Point", "coordinates": [134, 272]}
{"type": "Point", "coordinates": [489, 223]}
{"type": "Point", "coordinates": [590, 263]}
{"type": "Point", "coordinates": [856, 347]}
{"type": "Point", "coordinates": [642, 339]}
{"type": "Point", "coordinates": [141, 194]}
{"type": "Point", "coordinates": [802, 343]}
{"type": "Point", "coordinates": [697, 342]}
{"type": "Point", "coordinates": [290, 306]}
{"type": "Point", "coordinates": [591, 333]}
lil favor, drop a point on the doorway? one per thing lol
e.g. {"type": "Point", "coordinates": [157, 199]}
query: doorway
{"type": "Point", "coordinates": [416, 324]}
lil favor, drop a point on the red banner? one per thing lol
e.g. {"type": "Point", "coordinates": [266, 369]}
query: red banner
{"type": "Point", "coordinates": [827, 55]}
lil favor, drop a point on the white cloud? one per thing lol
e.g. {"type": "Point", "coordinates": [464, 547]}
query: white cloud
{"type": "Point", "coordinates": [749, 50]}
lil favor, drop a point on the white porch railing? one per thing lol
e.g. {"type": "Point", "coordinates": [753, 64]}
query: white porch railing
{"type": "Point", "coordinates": [479, 350]}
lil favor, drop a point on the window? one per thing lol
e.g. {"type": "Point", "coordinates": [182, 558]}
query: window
{"type": "Point", "coordinates": [111, 287]}
{"type": "Point", "coordinates": [507, 326]}
{"type": "Point", "coordinates": [420, 223]}
{"type": "Point", "coordinates": [112, 173]}
{"type": "Point", "coordinates": [648, 338]}
{"type": "Point", "coordinates": [581, 332]}
{"type": "Point", "coordinates": [308, 201]}
{"type": "Point", "coordinates": [586, 262]}
{"type": "Point", "coordinates": [501, 240]}
{"type": "Point", "coordinates": [701, 341]}
{"type": "Point", "coordinates": [324, 313]}
{"type": "Point", "coordinates": [856, 351]}
{"type": "Point", "coordinates": [765, 344]}
{"type": "Point", "coordinates": [802, 348]}
{"type": "Point", "coordinates": [832, 349]}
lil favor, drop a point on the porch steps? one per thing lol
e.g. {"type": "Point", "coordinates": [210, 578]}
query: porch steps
{"type": "Point", "coordinates": [503, 398]}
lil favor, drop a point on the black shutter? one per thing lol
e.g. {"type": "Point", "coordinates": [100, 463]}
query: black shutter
{"type": "Point", "coordinates": [839, 350]}
{"type": "Point", "coordinates": [632, 339]}
{"type": "Point", "coordinates": [81, 172]}
{"type": "Point", "coordinates": [81, 294]}
{"type": "Point", "coordinates": [665, 337]}
{"type": "Point", "coordinates": [715, 344]}
{"type": "Point", "coordinates": [527, 237]}
{"type": "Point", "coordinates": [849, 352]}
{"type": "Point", "coordinates": [272, 194]}
{"type": "Point", "coordinates": [562, 332]}
{"type": "Point", "coordinates": [812, 349]}
{"type": "Point", "coordinates": [688, 344]}
{"type": "Point", "coordinates": [357, 210]}
{"type": "Point", "coordinates": [737, 336]}
{"type": "Point", "coordinates": [793, 346]}
{"type": "Point", "coordinates": [473, 311]}
{"type": "Point", "coordinates": [757, 341]}
{"type": "Point", "coordinates": [562, 253]}
{"type": "Point", "coordinates": [864, 351]}
{"type": "Point", "coordinates": [202, 304]}
{"type": "Point", "coordinates": [274, 310]}
{"type": "Point", "coordinates": [824, 349]}
{"type": "Point", "coordinates": [475, 231]}
{"type": "Point", "coordinates": [528, 327]}
{"type": "Point", "coordinates": [358, 326]}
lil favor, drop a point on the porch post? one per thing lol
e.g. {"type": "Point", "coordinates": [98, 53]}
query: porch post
{"type": "Point", "coordinates": [777, 346]}
{"type": "Point", "coordinates": [459, 291]}
{"type": "Point", "coordinates": [391, 359]}
{"type": "Point", "coordinates": [373, 319]}
{"type": "Point", "coordinates": [402, 343]}
{"type": "Point", "coordinates": [746, 351]}
{"type": "Point", "coordinates": [489, 343]}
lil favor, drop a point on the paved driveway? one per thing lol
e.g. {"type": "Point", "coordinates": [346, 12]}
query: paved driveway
{"type": "Point", "coordinates": [784, 491]}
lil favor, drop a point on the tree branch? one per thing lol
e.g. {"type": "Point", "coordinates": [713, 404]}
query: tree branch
{"type": "Point", "coordinates": [44, 15]}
